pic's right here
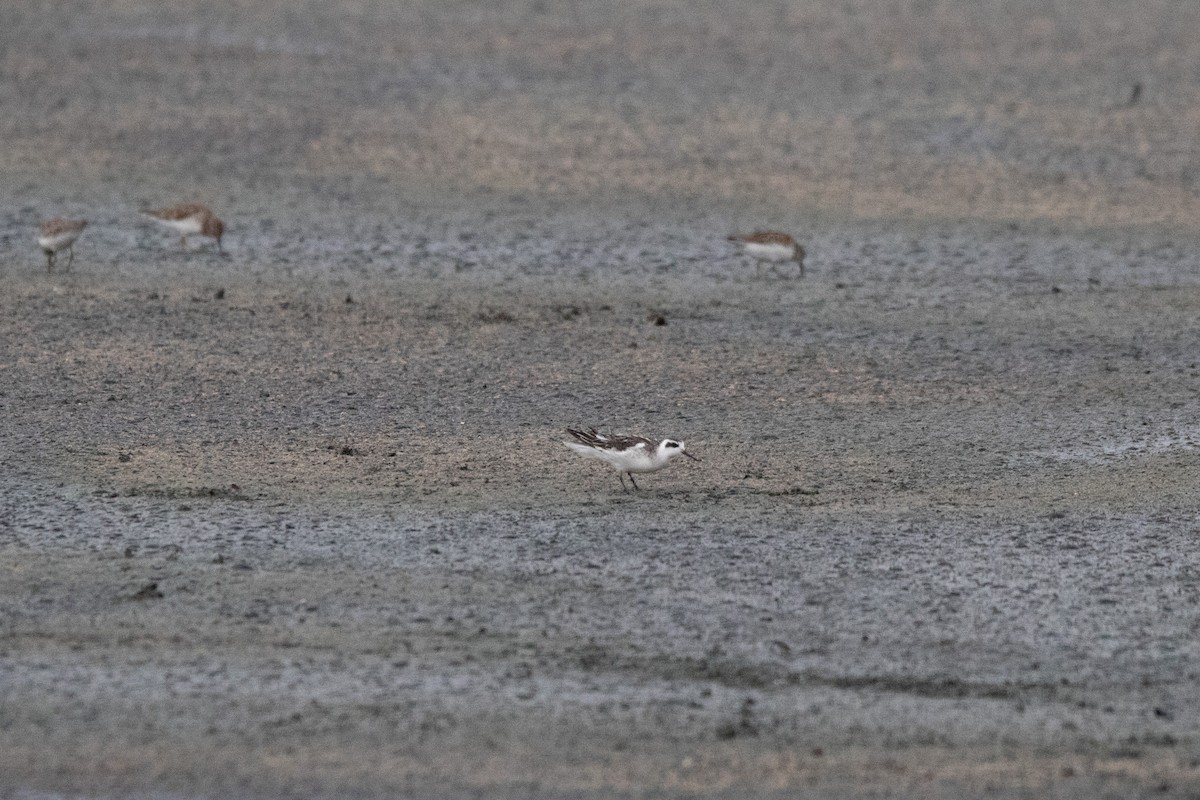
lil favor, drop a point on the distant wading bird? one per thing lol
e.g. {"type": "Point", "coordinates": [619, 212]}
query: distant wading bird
{"type": "Point", "coordinates": [57, 234]}
{"type": "Point", "coordinates": [190, 219]}
{"type": "Point", "coordinates": [771, 246]}
{"type": "Point", "coordinates": [627, 454]}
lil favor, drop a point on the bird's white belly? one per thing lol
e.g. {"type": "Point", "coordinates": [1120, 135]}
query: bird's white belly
{"type": "Point", "coordinates": [770, 252]}
{"type": "Point", "coordinates": [57, 242]}
{"type": "Point", "coordinates": [634, 461]}
{"type": "Point", "coordinates": [184, 227]}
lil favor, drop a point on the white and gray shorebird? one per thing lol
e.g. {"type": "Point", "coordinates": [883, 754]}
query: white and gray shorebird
{"type": "Point", "coordinates": [771, 246]}
{"type": "Point", "coordinates": [627, 454]}
{"type": "Point", "coordinates": [59, 234]}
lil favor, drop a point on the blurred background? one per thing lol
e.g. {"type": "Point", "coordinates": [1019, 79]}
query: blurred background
{"type": "Point", "coordinates": [1083, 112]}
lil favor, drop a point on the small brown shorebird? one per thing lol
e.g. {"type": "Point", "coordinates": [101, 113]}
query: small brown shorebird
{"type": "Point", "coordinates": [58, 234]}
{"type": "Point", "coordinates": [627, 454]}
{"type": "Point", "coordinates": [771, 246]}
{"type": "Point", "coordinates": [190, 219]}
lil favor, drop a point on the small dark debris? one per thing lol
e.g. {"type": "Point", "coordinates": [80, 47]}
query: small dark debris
{"type": "Point", "coordinates": [1135, 94]}
{"type": "Point", "coordinates": [493, 315]}
{"type": "Point", "coordinates": [124, 458]}
{"type": "Point", "coordinates": [745, 725]}
{"type": "Point", "coordinates": [657, 319]}
{"type": "Point", "coordinates": [568, 313]}
{"type": "Point", "coordinates": [1067, 772]}
{"type": "Point", "coordinates": [349, 300]}
{"type": "Point", "coordinates": [1163, 713]}
{"type": "Point", "coordinates": [1055, 290]}
{"type": "Point", "coordinates": [727, 730]}
{"type": "Point", "coordinates": [148, 592]}
{"type": "Point", "coordinates": [219, 294]}
{"type": "Point", "coordinates": [795, 490]}
{"type": "Point", "coordinates": [350, 451]}
{"type": "Point", "coordinates": [243, 566]}
{"type": "Point", "coordinates": [219, 559]}
{"type": "Point", "coordinates": [817, 752]}
{"type": "Point", "coordinates": [129, 552]}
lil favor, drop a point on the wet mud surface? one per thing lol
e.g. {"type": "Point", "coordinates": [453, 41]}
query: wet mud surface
{"type": "Point", "coordinates": [297, 522]}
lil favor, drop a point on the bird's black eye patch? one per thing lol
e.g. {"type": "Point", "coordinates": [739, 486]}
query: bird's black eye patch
{"type": "Point", "coordinates": [672, 444]}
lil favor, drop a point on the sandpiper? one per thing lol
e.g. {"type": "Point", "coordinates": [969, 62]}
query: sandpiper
{"type": "Point", "coordinates": [627, 454]}
{"type": "Point", "coordinates": [57, 234]}
{"type": "Point", "coordinates": [771, 246]}
{"type": "Point", "coordinates": [190, 219]}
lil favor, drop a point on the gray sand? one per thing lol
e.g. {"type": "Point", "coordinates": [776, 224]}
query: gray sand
{"type": "Point", "coordinates": [297, 522]}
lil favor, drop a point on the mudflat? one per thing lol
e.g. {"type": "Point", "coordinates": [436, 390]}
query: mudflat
{"type": "Point", "coordinates": [296, 521]}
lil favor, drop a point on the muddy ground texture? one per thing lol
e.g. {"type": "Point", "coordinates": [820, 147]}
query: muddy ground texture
{"type": "Point", "coordinates": [296, 521]}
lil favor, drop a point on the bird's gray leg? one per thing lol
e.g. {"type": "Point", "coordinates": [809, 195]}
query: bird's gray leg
{"type": "Point", "coordinates": [71, 253]}
{"type": "Point", "coordinates": [631, 480]}
{"type": "Point", "coordinates": [49, 261]}
{"type": "Point", "coordinates": [621, 478]}
{"type": "Point", "coordinates": [183, 243]}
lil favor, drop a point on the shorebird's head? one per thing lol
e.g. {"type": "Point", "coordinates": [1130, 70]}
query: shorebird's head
{"type": "Point", "coordinates": [215, 228]}
{"type": "Point", "coordinates": [669, 448]}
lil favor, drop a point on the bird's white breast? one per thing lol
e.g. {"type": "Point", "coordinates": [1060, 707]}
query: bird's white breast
{"type": "Point", "coordinates": [635, 459]}
{"type": "Point", "coordinates": [185, 227]}
{"type": "Point", "coordinates": [770, 252]}
{"type": "Point", "coordinates": [57, 242]}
